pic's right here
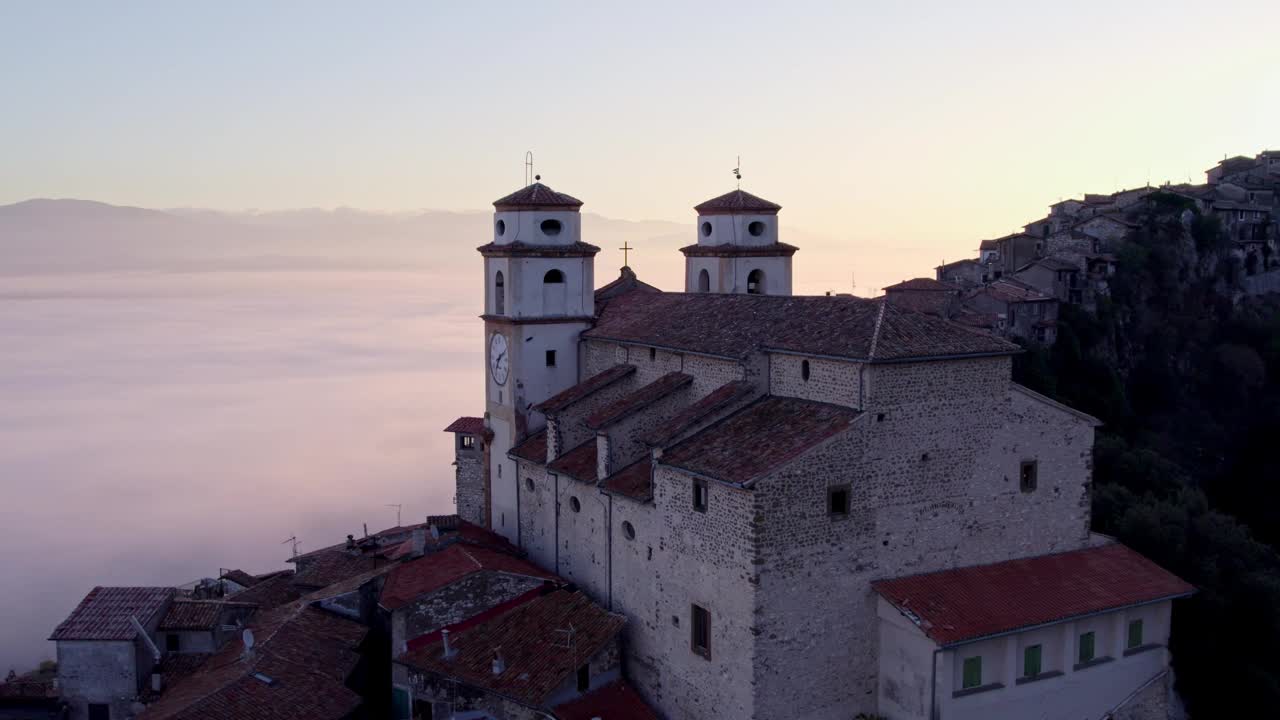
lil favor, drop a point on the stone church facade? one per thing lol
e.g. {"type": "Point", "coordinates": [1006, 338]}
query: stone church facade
{"type": "Point", "coordinates": [745, 474]}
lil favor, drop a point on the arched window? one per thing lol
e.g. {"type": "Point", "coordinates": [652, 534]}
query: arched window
{"type": "Point", "coordinates": [499, 294]}
{"type": "Point", "coordinates": [804, 370]}
{"type": "Point", "coordinates": [704, 281]}
{"type": "Point", "coordinates": [553, 293]}
{"type": "Point", "coordinates": [553, 276]}
{"type": "Point", "coordinates": [755, 282]}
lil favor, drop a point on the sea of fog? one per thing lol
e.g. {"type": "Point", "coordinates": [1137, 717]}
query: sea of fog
{"type": "Point", "coordinates": [155, 427]}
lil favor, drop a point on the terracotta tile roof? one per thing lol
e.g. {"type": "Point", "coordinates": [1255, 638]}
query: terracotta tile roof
{"type": "Point", "coordinates": [1012, 291]}
{"type": "Point", "coordinates": [733, 326]}
{"type": "Point", "coordinates": [533, 448]}
{"type": "Point", "coordinates": [989, 245]}
{"type": "Point", "coordinates": [562, 400]}
{"type": "Point", "coordinates": [625, 282]}
{"type": "Point", "coordinates": [579, 463]}
{"type": "Point", "coordinates": [270, 593]}
{"type": "Point", "coordinates": [468, 425]}
{"type": "Point", "coordinates": [930, 302]}
{"type": "Point", "coordinates": [737, 201]}
{"type": "Point", "coordinates": [1052, 263]}
{"type": "Point", "coordinates": [173, 667]}
{"type": "Point", "coordinates": [298, 669]}
{"type": "Point", "coordinates": [411, 580]}
{"type": "Point", "coordinates": [977, 320]}
{"type": "Point", "coordinates": [759, 438]}
{"type": "Point", "coordinates": [523, 249]}
{"type": "Point", "coordinates": [955, 606]}
{"type": "Point", "coordinates": [239, 577]}
{"type": "Point", "coordinates": [196, 614]}
{"type": "Point", "coordinates": [638, 400]}
{"type": "Point", "coordinates": [635, 480]}
{"type": "Point", "coordinates": [537, 197]}
{"type": "Point", "coordinates": [958, 263]}
{"type": "Point", "coordinates": [534, 654]}
{"type": "Point", "coordinates": [925, 284]}
{"type": "Point", "coordinates": [104, 613]}
{"type": "Point", "coordinates": [711, 403]}
{"type": "Point", "coordinates": [331, 566]}
{"type": "Point", "coordinates": [728, 250]}
{"type": "Point", "coordinates": [615, 701]}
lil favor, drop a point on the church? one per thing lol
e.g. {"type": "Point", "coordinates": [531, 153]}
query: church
{"type": "Point", "coordinates": [805, 507]}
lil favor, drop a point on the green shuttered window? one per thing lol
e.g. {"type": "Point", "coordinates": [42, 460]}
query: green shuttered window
{"type": "Point", "coordinates": [972, 673]}
{"type": "Point", "coordinates": [1031, 661]}
{"type": "Point", "coordinates": [1086, 647]}
{"type": "Point", "coordinates": [1135, 633]}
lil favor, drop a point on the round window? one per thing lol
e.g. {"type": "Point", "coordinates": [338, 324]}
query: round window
{"type": "Point", "coordinates": [528, 483]}
{"type": "Point", "coordinates": [628, 530]}
{"type": "Point", "coordinates": [550, 227]}
{"type": "Point", "coordinates": [575, 505]}
{"type": "Point", "coordinates": [756, 228]}
{"type": "Point", "coordinates": [706, 229]}
{"type": "Point", "coordinates": [501, 227]}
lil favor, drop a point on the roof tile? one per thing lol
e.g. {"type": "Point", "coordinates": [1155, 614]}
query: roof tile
{"type": "Point", "coordinates": [564, 399]}
{"type": "Point", "coordinates": [537, 197]}
{"type": "Point", "coordinates": [638, 400]}
{"type": "Point", "coordinates": [737, 201]}
{"type": "Point", "coordinates": [415, 578]}
{"type": "Point", "coordinates": [468, 425]}
{"type": "Point", "coordinates": [579, 463]}
{"type": "Point", "coordinates": [104, 614]}
{"type": "Point", "coordinates": [615, 701]}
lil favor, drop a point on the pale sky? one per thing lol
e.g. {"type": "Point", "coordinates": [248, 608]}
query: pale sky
{"type": "Point", "coordinates": [929, 125]}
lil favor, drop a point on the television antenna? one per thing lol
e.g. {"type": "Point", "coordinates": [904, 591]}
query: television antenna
{"type": "Point", "coordinates": [397, 507]}
{"type": "Point", "coordinates": [293, 540]}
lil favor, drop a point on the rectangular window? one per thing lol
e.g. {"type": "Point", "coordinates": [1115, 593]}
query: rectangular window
{"type": "Point", "coordinates": [972, 673]}
{"type": "Point", "coordinates": [838, 501]}
{"type": "Point", "coordinates": [1135, 633]}
{"type": "Point", "coordinates": [551, 358]}
{"type": "Point", "coordinates": [1031, 661]}
{"type": "Point", "coordinates": [401, 704]}
{"type": "Point", "coordinates": [700, 630]}
{"type": "Point", "coordinates": [468, 442]}
{"type": "Point", "coordinates": [99, 711]}
{"type": "Point", "coordinates": [172, 642]}
{"type": "Point", "coordinates": [1027, 476]}
{"type": "Point", "coordinates": [584, 678]}
{"type": "Point", "coordinates": [1086, 647]}
{"type": "Point", "coordinates": [700, 495]}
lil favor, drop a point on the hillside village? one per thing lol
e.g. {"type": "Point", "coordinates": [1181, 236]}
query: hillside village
{"type": "Point", "coordinates": [1016, 284]}
{"type": "Point", "coordinates": [726, 502]}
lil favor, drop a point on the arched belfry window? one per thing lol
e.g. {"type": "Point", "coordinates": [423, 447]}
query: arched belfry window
{"type": "Point", "coordinates": [553, 293]}
{"type": "Point", "coordinates": [499, 294]}
{"type": "Point", "coordinates": [755, 282]}
{"type": "Point", "coordinates": [704, 281]}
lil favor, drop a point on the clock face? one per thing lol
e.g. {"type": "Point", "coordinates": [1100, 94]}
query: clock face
{"type": "Point", "coordinates": [499, 363]}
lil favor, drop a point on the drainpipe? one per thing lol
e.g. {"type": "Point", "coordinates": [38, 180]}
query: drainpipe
{"type": "Point", "coordinates": [556, 497]}
{"type": "Point", "coordinates": [609, 530]}
{"type": "Point", "coordinates": [517, 474]}
{"type": "Point", "coordinates": [933, 686]}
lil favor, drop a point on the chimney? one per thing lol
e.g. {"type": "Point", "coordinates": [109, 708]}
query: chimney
{"type": "Point", "coordinates": [499, 665]}
{"type": "Point", "coordinates": [419, 542]}
{"type": "Point", "coordinates": [351, 542]}
{"type": "Point", "coordinates": [157, 682]}
{"type": "Point", "coordinates": [449, 652]}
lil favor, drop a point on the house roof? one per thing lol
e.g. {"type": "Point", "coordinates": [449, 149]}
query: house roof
{"type": "Point", "coordinates": [990, 244]}
{"type": "Point", "coordinates": [733, 326]}
{"type": "Point", "coordinates": [638, 400]}
{"type": "Point", "coordinates": [731, 250]}
{"type": "Point", "coordinates": [737, 202]}
{"type": "Point", "coordinates": [714, 401]}
{"type": "Point", "coordinates": [239, 577]}
{"type": "Point", "coordinates": [579, 463]}
{"type": "Point", "coordinates": [270, 592]}
{"type": "Point", "coordinates": [1012, 291]}
{"type": "Point", "coordinates": [615, 701]}
{"type": "Point", "coordinates": [410, 580]}
{"type": "Point", "coordinates": [532, 649]}
{"type": "Point", "coordinates": [759, 438]}
{"type": "Point", "coordinates": [334, 565]}
{"type": "Point", "coordinates": [532, 448]}
{"type": "Point", "coordinates": [923, 284]}
{"type": "Point", "coordinates": [301, 659]}
{"type": "Point", "coordinates": [625, 282]}
{"type": "Point", "coordinates": [197, 614]}
{"type": "Point", "coordinates": [599, 381]}
{"type": "Point", "coordinates": [104, 614]}
{"type": "Point", "coordinates": [955, 606]}
{"type": "Point", "coordinates": [634, 481]}
{"type": "Point", "coordinates": [468, 425]}
{"type": "Point", "coordinates": [958, 263]}
{"type": "Point", "coordinates": [1051, 263]}
{"type": "Point", "coordinates": [537, 197]}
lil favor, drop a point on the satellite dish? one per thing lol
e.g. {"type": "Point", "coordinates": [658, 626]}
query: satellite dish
{"type": "Point", "coordinates": [247, 636]}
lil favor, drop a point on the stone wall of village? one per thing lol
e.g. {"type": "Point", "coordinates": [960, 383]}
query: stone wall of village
{"type": "Point", "coordinates": [830, 381]}
{"type": "Point", "coordinates": [93, 671]}
{"type": "Point", "coordinates": [469, 488]}
{"type": "Point", "coordinates": [708, 373]}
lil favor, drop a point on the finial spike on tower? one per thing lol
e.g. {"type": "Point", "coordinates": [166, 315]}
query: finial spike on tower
{"type": "Point", "coordinates": [737, 172]}
{"type": "Point", "coordinates": [528, 168]}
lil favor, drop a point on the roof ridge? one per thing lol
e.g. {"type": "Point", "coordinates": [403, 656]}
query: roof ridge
{"type": "Point", "coordinates": [875, 331]}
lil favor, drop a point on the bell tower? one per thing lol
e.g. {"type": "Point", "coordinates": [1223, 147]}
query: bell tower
{"type": "Point", "coordinates": [539, 296]}
{"type": "Point", "coordinates": [738, 249]}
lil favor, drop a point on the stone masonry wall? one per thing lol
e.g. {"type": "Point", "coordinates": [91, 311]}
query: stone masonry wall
{"type": "Point", "coordinates": [708, 373]}
{"type": "Point", "coordinates": [830, 381]}
{"type": "Point", "coordinates": [469, 488]}
{"type": "Point", "coordinates": [624, 444]}
{"type": "Point", "coordinates": [932, 469]}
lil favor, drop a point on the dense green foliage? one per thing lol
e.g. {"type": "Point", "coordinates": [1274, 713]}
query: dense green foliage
{"type": "Point", "coordinates": [1186, 468]}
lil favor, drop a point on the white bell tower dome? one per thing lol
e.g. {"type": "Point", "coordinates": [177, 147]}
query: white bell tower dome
{"type": "Point", "coordinates": [539, 296]}
{"type": "Point", "coordinates": [738, 249]}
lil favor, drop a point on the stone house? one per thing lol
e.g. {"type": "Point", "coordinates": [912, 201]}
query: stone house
{"type": "Point", "coordinates": [1017, 250]}
{"type": "Point", "coordinates": [733, 472]}
{"type": "Point", "coordinates": [966, 273]}
{"type": "Point", "coordinates": [201, 626]}
{"type": "Point", "coordinates": [468, 462]}
{"type": "Point", "coordinates": [926, 295]}
{"type": "Point", "coordinates": [1024, 311]}
{"type": "Point", "coordinates": [105, 650]}
{"type": "Point", "coordinates": [1055, 277]}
